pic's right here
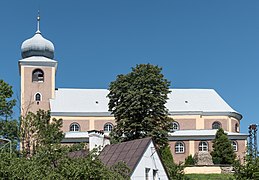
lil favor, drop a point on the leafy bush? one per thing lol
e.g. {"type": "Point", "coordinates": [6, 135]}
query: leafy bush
{"type": "Point", "coordinates": [248, 170]}
{"type": "Point", "coordinates": [175, 171]}
{"type": "Point", "coordinates": [189, 161]}
{"type": "Point", "coordinates": [55, 164]}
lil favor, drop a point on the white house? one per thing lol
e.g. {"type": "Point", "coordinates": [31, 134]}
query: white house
{"type": "Point", "coordinates": [139, 155]}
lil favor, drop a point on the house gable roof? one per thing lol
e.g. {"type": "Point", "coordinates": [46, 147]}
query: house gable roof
{"type": "Point", "coordinates": [129, 152]}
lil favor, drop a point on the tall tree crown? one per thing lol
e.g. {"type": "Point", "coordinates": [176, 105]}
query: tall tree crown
{"type": "Point", "coordinates": [137, 101]}
{"type": "Point", "coordinates": [223, 152]}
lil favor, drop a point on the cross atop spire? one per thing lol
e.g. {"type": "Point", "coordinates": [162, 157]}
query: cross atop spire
{"type": "Point", "coordinates": [38, 23]}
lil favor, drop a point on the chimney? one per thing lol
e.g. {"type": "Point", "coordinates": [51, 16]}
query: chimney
{"type": "Point", "coordinates": [98, 140]}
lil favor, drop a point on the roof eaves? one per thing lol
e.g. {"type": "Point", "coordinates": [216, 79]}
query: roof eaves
{"type": "Point", "coordinates": [207, 113]}
{"type": "Point", "coordinates": [79, 114]}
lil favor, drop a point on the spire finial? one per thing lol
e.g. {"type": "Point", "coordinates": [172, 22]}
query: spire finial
{"type": "Point", "coordinates": [38, 22]}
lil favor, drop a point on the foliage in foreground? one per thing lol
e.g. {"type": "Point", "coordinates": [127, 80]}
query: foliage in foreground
{"type": "Point", "coordinates": [55, 164]}
{"type": "Point", "coordinates": [248, 170]}
{"type": "Point", "coordinates": [190, 161]}
{"type": "Point", "coordinates": [45, 158]}
{"type": "Point", "coordinates": [174, 171]}
{"type": "Point", "coordinates": [6, 104]}
{"type": "Point", "coordinates": [37, 130]}
{"type": "Point", "coordinates": [137, 101]}
{"type": "Point", "coordinates": [8, 126]}
{"type": "Point", "coordinates": [223, 152]}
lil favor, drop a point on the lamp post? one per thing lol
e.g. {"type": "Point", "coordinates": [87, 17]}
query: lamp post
{"type": "Point", "coordinates": [252, 141]}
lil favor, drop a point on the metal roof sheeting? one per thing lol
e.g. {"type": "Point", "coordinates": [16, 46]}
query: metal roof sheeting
{"type": "Point", "coordinates": [94, 102]}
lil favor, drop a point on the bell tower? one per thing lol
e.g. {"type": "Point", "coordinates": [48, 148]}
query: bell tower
{"type": "Point", "coordinates": [37, 70]}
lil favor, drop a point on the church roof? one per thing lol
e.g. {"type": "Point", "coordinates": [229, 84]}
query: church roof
{"type": "Point", "coordinates": [94, 102]}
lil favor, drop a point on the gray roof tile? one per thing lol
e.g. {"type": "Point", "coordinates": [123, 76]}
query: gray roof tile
{"type": "Point", "coordinates": [129, 152]}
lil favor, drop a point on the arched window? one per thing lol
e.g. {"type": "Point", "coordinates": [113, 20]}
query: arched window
{"type": "Point", "coordinates": [37, 97]}
{"type": "Point", "coordinates": [107, 127]}
{"type": "Point", "coordinates": [203, 146]}
{"type": "Point", "coordinates": [179, 147]}
{"type": "Point", "coordinates": [216, 125]}
{"type": "Point", "coordinates": [74, 127]}
{"type": "Point", "coordinates": [236, 127]}
{"type": "Point", "coordinates": [175, 126]}
{"type": "Point", "coordinates": [234, 145]}
{"type": "Point", "coordinates": [37, 75]}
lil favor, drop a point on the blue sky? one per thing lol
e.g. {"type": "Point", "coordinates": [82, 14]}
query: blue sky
{"type": "Point", "coordinates": [199, 44]}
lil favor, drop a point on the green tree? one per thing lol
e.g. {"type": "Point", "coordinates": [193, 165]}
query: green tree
{"type": "Point", "coordinates": [223, 152]}
{"type": "Point", "coordinates": [137, 101]}
{"type": "Point", "coordinates": [247, 170]}
{"type": "Point", "coordinates": [38, 129]}
{"type": "Point", "coordinates": [6, 103]}
{"type": "Point", "coordinates": [175, 171]}
{"type": "Point", "coordinates": [46, 158]}
{"type": "Point", "coordinates": [8, 126]}
{"type": "Point", "coordinates": [53, 163]}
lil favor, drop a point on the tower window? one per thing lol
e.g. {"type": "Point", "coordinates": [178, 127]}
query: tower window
{"type": "Point", "coordinates": [108, 127]}
{"type": "Point", "coordinates": [37, 97]}
{"type": "Point", "coordinates": [74, 127]}
{"type": "Point", "coordinates": [37, 75]}
{"type": "Point", "coordinates": [216, 125]}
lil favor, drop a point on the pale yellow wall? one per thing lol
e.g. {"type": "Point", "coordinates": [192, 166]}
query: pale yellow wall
{"type": "Point", "coordinates": [22, 89]}
{"type": "Point", "coordinates": [191, 148]}
{"type": "Point", "coordinates": [202, 170]}
{"type": "Point", "coordinates": [186, 122]}
{"type": "Point", "coordinates": [205, 122]}
{"type": "Point", "coordinates": [92, 122]}
{"type": "Point", "coordinates": [200, 122]}
{"type": "Point", "coordinates": [53, 85]}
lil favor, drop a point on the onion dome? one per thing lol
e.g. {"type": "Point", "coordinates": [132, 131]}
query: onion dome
{"type": "Point", "coordinates": [37, 45]}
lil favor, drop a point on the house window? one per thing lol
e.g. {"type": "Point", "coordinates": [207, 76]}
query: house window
{"type": "Point", "coordinates": [37, 75]}
{"type": "Point", "coordinates": [37, 97]}
{"type": "Point", "coordinates": [107, 127]}
{"type": "Point", "coordinates": [234, 145]}
{"type": "Point", "coordinates": [154, 174]}
{"type": "Point", "coordinates": [236, 127]}
{"type": "Point", "coordinates": [175, 126]}
{"type": "Point", "coordinates": [179, 147]}
{"type": "Point", "coordinates": [216, 125]}
{"type": "Point", "coordinates": [74, 127]}
{"type": "Point", "coordinates": [203, 146]}
{"type": "Point", "coordinates": [147, 173]}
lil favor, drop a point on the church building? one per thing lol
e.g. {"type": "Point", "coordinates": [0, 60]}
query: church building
{"type": "Point", "coordinates": [198, 113]}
